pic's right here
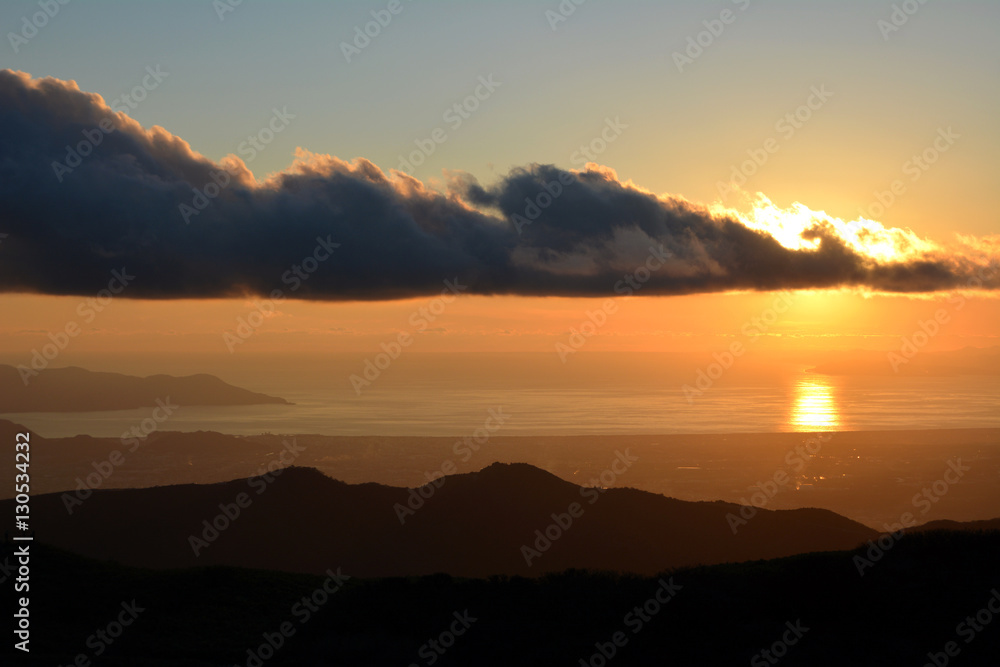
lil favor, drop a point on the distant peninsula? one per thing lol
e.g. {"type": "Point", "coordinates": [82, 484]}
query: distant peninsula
{"type": "Point", "coordinates": [75, 389]}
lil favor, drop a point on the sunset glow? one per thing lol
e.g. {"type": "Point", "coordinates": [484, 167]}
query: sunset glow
{"type": "Point", "coordinates": [493, 333]}
{"type": "Point", "coordinates": [815, 407]}
{"type": "Point", "coordinates": [796, 227]}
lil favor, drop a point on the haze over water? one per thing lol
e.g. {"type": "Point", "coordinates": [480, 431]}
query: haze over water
{"type": "Point", "coordinates": [446, 407]}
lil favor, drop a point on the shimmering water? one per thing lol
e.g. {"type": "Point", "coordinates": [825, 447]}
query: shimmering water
{"type": "Point", "coordinates": [804, 402]}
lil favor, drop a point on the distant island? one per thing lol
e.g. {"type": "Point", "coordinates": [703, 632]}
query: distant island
{"type": "Point", "coordinates": [75, 389]}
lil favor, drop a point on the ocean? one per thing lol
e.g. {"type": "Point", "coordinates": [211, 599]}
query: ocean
{"type": "Point", "coordinates": [453, 406]}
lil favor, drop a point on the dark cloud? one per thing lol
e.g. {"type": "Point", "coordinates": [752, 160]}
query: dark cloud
{"type": "Point", "coordinates": [540, 230]}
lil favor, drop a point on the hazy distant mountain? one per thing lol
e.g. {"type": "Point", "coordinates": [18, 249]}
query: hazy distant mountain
{"type": "Point", "coordinates": [475, 524]}
{"type": "Point", "coordinates": [74, 389]}
{"type": "Point", "coordinates": [864, 479]}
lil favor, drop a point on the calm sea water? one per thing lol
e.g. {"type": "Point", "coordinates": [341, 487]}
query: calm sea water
{"type": "Point", "coordinates": [804, 402]}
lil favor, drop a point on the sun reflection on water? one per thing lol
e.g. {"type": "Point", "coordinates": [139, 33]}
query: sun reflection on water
{"type": "Point", "coordinates": [815, 407]}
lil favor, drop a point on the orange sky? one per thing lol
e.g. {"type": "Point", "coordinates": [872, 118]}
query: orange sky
{"type": "Point", "coordinates": [888, 103]}
{"type": "Point", "coordinates": [813, 321]}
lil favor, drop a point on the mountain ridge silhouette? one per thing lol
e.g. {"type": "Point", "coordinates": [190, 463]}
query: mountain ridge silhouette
{"type": "Point", "coordinates": [75, 389]}
{"type": "Point", "coordinates": [473, 524]}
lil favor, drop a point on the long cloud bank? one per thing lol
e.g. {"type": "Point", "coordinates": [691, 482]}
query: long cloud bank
{"type": "Point", "coordinates": [186, 227]}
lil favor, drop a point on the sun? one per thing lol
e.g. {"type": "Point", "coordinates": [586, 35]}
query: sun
{"type": "Point", "coordinates": [792, 227]}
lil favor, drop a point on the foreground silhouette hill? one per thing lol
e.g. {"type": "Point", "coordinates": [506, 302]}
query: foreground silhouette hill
{"type": "Point", "coordinates": [73, 389]}
{"type": "Point", "coordinates": [906, 607]}
{"type": "Point", "coordinates": [947, 524]}
{"type": "Point", "coordinates": [475, 525]}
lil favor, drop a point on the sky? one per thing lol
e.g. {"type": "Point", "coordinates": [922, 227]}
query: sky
{"type": "Point", "coordinates": [895, 124]}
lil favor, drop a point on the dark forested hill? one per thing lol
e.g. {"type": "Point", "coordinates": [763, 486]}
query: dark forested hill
{"type": "Point", "coordinates": [915, 603]}
{"type": "Point", "coordinates": [509, 519]}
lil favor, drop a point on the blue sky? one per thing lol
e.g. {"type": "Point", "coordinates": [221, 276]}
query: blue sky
{"type": "Point", "coordinates": [686, 129]}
